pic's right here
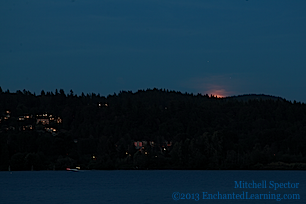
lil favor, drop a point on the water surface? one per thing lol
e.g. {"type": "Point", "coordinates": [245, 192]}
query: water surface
{"type": "Point", "coordinates": [146, 187]}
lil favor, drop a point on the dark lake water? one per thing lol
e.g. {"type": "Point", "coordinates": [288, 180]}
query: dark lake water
{"type": "Point", "coordinates": [148, 187]}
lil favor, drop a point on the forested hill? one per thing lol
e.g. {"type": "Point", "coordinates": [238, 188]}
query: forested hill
{"type": "Point", "coordinates": [152, 129]}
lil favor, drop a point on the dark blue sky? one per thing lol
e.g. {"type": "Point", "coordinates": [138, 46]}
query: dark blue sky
{"type": "Point", "coordinates": [104, 46]}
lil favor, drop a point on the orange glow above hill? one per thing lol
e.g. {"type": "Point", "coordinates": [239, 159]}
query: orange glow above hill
{"type": "Point", "coordinates": [220, 86]}
{"type": "Point", "coordinates": [220, 93]}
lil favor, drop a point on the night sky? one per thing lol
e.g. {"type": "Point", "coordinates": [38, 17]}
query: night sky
{"type": "Point", "coordinates": [218, 47]}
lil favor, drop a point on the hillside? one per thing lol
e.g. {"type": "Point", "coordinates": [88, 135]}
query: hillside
{"type": "Point", "coordinates": [248, 97]}
{"type": "Point", "coordinates": [150, 129]}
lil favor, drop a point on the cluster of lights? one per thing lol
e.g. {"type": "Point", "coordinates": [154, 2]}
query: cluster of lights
{"type": "Point", "coordinates": [24, 117]}
{"type": "Point", "coordinates": [30, 127]}
{"type": "Point", "coordinates": [42, 118]}
{"type": "Point", "coordinates": [6, 115]}
{"type": "Point", "coordinates": [46, 118]}
{"type": "Point", "coordinates": [51, 130]}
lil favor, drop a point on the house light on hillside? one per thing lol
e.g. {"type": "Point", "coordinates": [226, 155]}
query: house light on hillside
{"type": "Point", "coordinates": [25, 117]}
{"type": "Point", "coordinates": [137, 144]}
{"type": "Point", "coordinates": [51, 130]}
{"type": "Point", "coordinates": [44, 121]}
{"type": "Point", "coordinates": [58, 120]}
{"type": "Point", "coordinates": [152, 143]}
{"type": "Point", "coordinates": [27, 127]}
{"type": "Point", "coordinates": [10, 128]}
{"type": "Point", "coordinates": [102, 104]}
